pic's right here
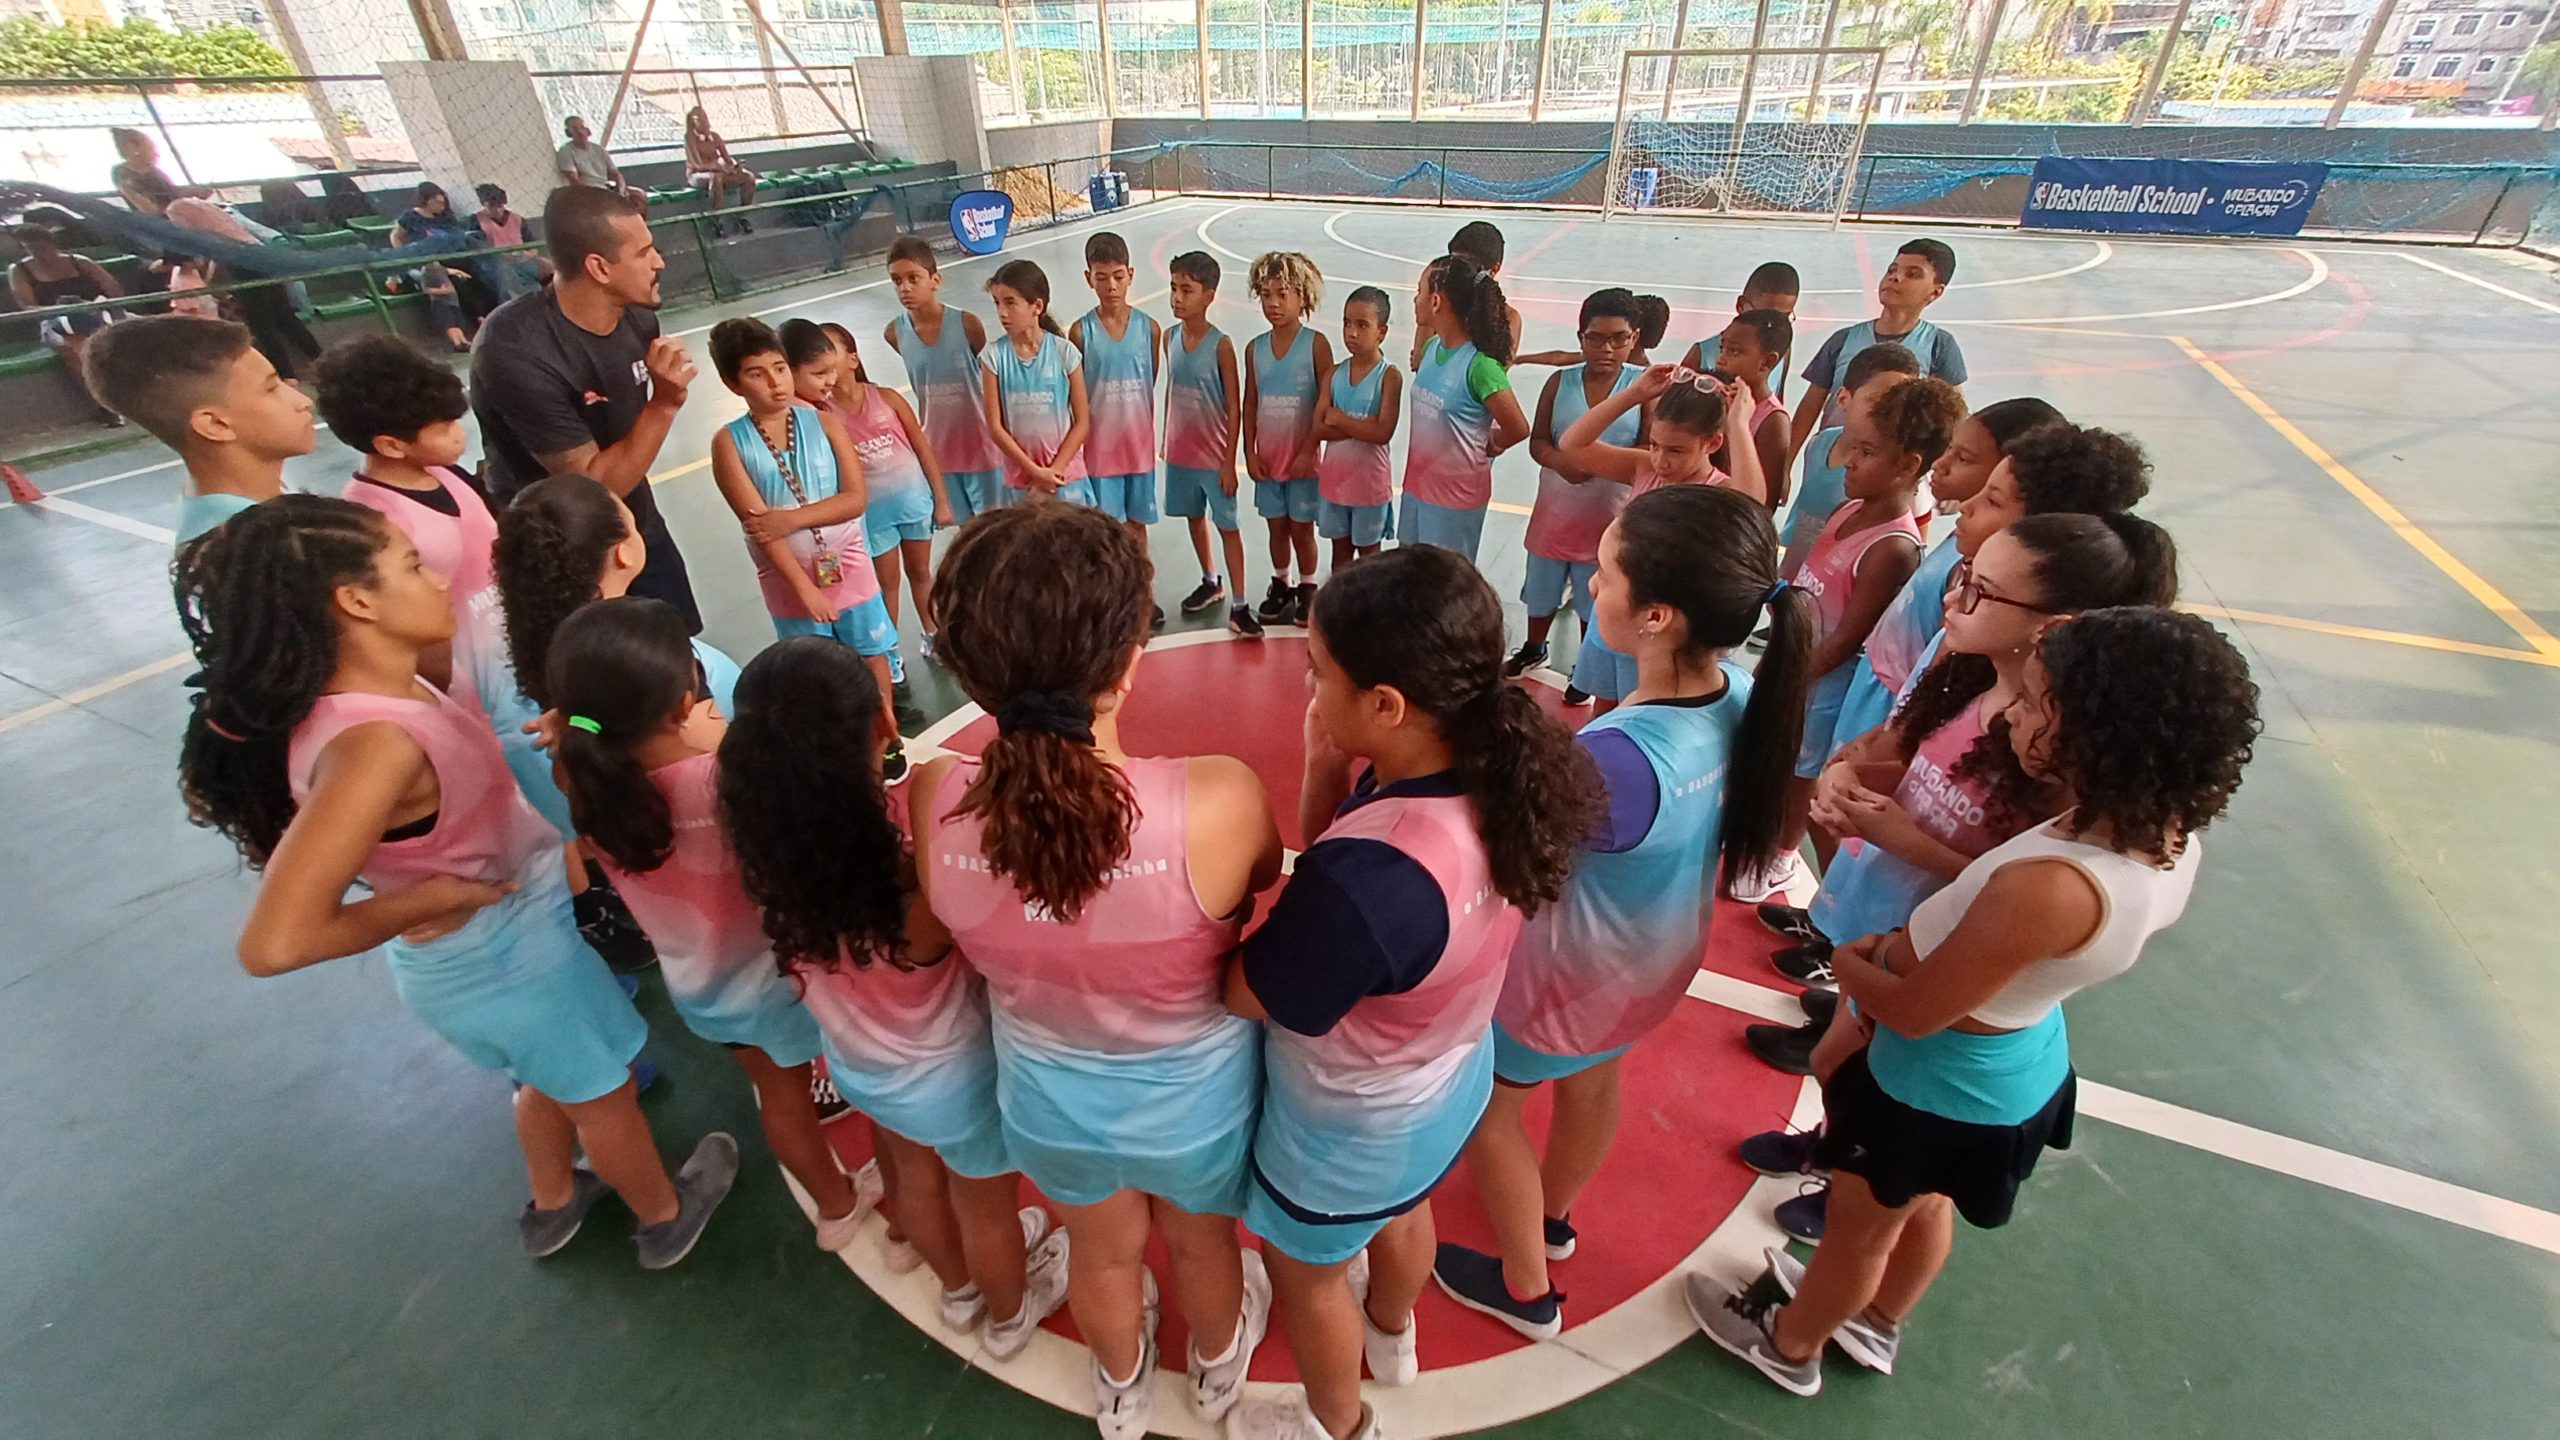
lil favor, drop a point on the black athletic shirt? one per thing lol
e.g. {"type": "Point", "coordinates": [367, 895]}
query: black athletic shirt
{"type": "Point", "coordinates": [541, 384]}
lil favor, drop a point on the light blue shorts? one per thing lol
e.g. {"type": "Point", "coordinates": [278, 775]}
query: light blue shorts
{"type": "Point", "coordinates": [1362, 525]}
{"type": "Point", "coordinates": [770, 1018]}
{"type": "Point", "coordinates": [947, 1105]}
{"type": "Point", "coordinates": [865, 627]}
{"type": "Point", "coordinates": [517, 991]}
{"type": "Point", "coordinates": [1864, 706]}
{"type": "Point", "coordinates": [1515, 1063]}
{"type": "Point", "coordinates": [1429, 524]}
{"type": "Point", "coordinates": [973, 492]}
{"type": "Point", "coordinates": [1127, 497]}
{"type": "Point", "coordinates": [1176, 1124]}
{"type": "Point", "coordinates": [1822, 721]}
{"type": "Point", "coordinates": [1554, 583]}
{"type": "Point", "coordinates": [1189, 492]}
{"type": "Point", "coordinates": [1324, 1186]}
{"type": "Point", "coordinates": [905, 516]}
{"type": "Point", "coordinates": [1603, 672]}
{"type": "Point", "coordinates": [1286, 499]}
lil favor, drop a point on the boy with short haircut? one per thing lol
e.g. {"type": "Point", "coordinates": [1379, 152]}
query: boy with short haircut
{"type": "Point", "coordinates": [1773, 285]}
{"type": "Point", "coordinates": [1123, 354]}
{"type": "Point", "coordinates": [1750, 350]}
{"type": "Point", "coordinates": [201, 388]}
{"type": "Point", "coordinates": [1203, 417]}
{"type": "Point", "coordinates": [1869, 374]}
{"type": "Point", "coordinates": [1911, 284]}
{"type": "Point", "coordinates": [1480, 241]}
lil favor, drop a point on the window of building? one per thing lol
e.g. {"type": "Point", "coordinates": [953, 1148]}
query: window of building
{"type": "Point", "coordinates": [2508, 19]}
{"type": "Point", "coordinates": [2487, 65]}
{"type": "Point", "coordinates": [2407, 67]}
{"type": "Point", "coordinates": [2425, 29]}
{"type": "Point", "coordinates": [2447, 67]}
{"type": "Point", "coordinates": [2468, 24]}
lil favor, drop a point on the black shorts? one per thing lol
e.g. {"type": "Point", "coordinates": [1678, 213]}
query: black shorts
{"type": "Point", "coordinates": [1904, 1152]}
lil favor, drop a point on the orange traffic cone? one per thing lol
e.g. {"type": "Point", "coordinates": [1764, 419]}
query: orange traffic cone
{"type": "Point", "coordinates": [21, 489]}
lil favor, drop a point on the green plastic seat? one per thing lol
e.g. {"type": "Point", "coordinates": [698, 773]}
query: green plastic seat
{"type": "Point", "coordinates": [17, 360]}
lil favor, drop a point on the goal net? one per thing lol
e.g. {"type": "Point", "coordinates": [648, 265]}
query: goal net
{"type": "Point", "coordinates": [1746, 130]}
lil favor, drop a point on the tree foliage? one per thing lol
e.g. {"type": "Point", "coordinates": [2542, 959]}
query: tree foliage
{"type": "Point", "coordinates": [32, 49]}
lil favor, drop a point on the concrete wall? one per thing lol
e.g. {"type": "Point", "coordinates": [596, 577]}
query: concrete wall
{"type": "Point", "coordinates": [924, 108]}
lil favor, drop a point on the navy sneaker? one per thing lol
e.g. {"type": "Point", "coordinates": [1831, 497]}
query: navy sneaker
{"type": "Point", "coordinates": [1576, 697]}
{"type": "Point", "coordinates": [1787, 1049]}
{"type": "Point", "coordinates": [1561, 1238]}
{"type": "Point", "coordinates": [1209, 593]}
{"type": "Point", "coordinates": [1474, 1279]}
{"type": "Point", "coordinates": [607, 925]}
{"type": "Point", "coordinates": [1802, 1216]}
{"type": "Point", "coordinates": [1277, 602]}
{"type": "Point", "coordinates": [1782, 1153]}
{"type": "Point", "coordinates": [644, 1074]}
{"type": "Point", "coordinates": [1240, 620]}
{"type": "Point", "coordinates": [1530, 655]}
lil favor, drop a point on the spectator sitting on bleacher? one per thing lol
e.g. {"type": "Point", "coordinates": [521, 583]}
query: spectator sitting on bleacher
{"type": "Point", "coordinates": [584, 162]}
{"type": "Point", "coordinates": [49, 277]}
{"type": "Point", "coordinates": [345, 199]}
{"type": "Point", "coordinates": [454, 296]}
{"type": "Point", "coordinates": [708, 165]}
{"type": "Point", "coordinates": [140, 180]}
{"type": "Point", "coordinates": [504, 229]}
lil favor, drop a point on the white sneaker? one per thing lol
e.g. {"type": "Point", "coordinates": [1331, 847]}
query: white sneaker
{"type": "Point", "coordinates": [1285, 1416]}
{"type": "Point", "coordinates": [963, 1309]}
{"type": "Point", "coordinates": [901, 1257]}
{"type": "Point", "coordinates": [1044, 1289]}
{"type": "Point", "coordinates": [1768, 882]}
{"type": "Point", "coordinates": [1391, 1358]}
{"type": "Point", "coordinates": [1122, 1411]}
{"type": "Point", "coordinates": [835, 1235]}
{"type": "Point", "coordinates": [1215, 1388]}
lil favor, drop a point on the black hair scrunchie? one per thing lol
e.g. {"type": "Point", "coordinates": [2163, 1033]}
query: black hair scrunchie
{"type": "Point", "coordinates": [1069, 717]}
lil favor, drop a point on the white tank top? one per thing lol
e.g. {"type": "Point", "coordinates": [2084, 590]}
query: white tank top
{"type": "Point", "coordinates": [2137, 901]}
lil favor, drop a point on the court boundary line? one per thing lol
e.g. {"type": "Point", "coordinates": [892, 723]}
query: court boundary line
{"type": "Point", "coordinates": [73, 700]}
{"type": "Point", "coordinates": [2491, 285]}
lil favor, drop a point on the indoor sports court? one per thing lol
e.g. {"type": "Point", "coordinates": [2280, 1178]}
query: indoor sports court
{"type": "Point", "coordinates": [2315, 1190]}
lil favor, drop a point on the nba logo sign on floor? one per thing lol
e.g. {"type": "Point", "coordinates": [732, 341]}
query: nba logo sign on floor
{"type": "Point", "coordinates": [979, 220]}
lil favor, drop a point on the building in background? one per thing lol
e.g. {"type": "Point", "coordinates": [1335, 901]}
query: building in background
{"type": "Point", "coordinates": [2454, 50]}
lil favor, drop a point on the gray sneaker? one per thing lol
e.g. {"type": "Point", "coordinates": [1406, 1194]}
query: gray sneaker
{"type": "Point", "coordinates": [545, 1231]}
{"type": "Point", "coordinates": [700, 1187]}
{"type": "Point", "coordinates": [1738, 1322]}
{"type": "Point", "coordinates": [1861, 1339]}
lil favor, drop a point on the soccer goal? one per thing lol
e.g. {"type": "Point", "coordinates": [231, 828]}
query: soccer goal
{"type": "Point", "coordinates": [1741, 131]}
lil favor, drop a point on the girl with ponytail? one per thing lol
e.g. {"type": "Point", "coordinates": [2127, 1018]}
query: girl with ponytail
{"type": "Point", "coordinates": [635, 753]}
{"type": "Point", "coordinates": [1379, 967]}
{"type": "Point", "coordinates": [1099, 895]}
{"type": "Point", "coordinates": [1035, 393]}
{"type": "Point", "coordinates": [1919, 798]}
{"type": "Point", "coordinates": [319, 751]}
{"type": "Point", "coordinates": [1693, 766]}
{"type": "Point", "coordinates": [1464, 413]}
{"type": "Point", "coordinates": [818, 848]}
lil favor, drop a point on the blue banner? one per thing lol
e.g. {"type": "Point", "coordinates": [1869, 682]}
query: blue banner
{"type": "Point", "coordinates": [979, 220]}
{"type": "Point", "coordinates": [2172, 197]}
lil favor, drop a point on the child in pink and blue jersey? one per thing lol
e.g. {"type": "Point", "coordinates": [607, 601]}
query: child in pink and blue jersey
{"type": "Point", "coordinates": [1123, 354]}
{"type": "Point", "coordinates": [1355, 481]}
{"type": "Point", "coordinates": [1379, 967]}
{"type": "Point", "coordinates": [1696, 420]}
{"type": "Point", "coordinates": [1772, 285]}
{"type": "Point", "coordinates": [1876, 369]}
{"type": "Point", "coordinates": [1753, 346]}
{"type": "Point", "coordinates": [1573, 509]}
{"type": "Point", "coordinates": [902, 1016]}
{"type": "Point", "coordinates": [1034, 382]}
{"type": "Point", "coordinates": [1203, 408]}
{"type": "Point", "coordinates": [1100, 894]}
{"type": "Point", "coordinates": [1464, 414]}
{"type": "Point", "coordinates": [635, 751]}
{"type": "Point", "coordinates": [1694, 765]}
{"type": "Point", "coordinates": [906, 497]}
{"type": "Point", "coordinates": [351, 767]}
{"type": "Point", "coordinates": [790, 472]}
{"type": "Point", "coordinates": [1286, 371]}
{"type": "Point", "coordinates": [940, 347]}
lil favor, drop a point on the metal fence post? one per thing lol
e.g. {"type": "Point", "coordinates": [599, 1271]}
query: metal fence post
{"type": "Point", "coordinates": [1270, 189]}
{"type": "Point", "coordinates": [2494, 207]}
{"type": "Point", "coordinates": [1444, 177]}
{"type": "Point", "coordinates": [702, 247]}
{"type": "Point", "coordinates": [1049, 177]}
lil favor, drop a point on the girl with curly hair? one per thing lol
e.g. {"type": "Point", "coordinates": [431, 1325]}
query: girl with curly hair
{"type": "Point", "coordinates": [1694, 768]}
{"type": "Point", "coordinates": [636, 758]}
{"type": "Point", "coordinates": [1383, 958]}
{"type": "Point", "coordinates": [1285, 369]}
{"type": "Point", "coordinates": [317, 749]}
{"type": "Point", "coordinates": [2140, 722]}
{"type": "Point", "coordinates": [1100, 894]}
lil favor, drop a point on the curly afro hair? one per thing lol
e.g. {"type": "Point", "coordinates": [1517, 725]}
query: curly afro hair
{"type": "Point", "coordinates": [2154, 718]}
{"type": "Point", "coordinates": [380, 385]}
{"type": "Point", "coordinates": [2064, 468]}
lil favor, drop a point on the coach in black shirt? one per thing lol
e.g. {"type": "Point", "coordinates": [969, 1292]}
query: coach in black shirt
{"type": "Point", "coordinates": [577, 378]}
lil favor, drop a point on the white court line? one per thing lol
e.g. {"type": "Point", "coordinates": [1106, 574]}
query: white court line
{"type": "Point", "coordinates": [80, 697]}
{"type": "Point", "coordinates": [77, 511]}
{"type": "Point", "coordinates": [169, 464]}
{"type": "Point", "coordinates": [2490, 285]}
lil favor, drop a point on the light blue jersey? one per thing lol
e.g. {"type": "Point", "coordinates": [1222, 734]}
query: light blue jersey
{"type": "Point", "coordinates": [952, 408]}
{"type": "Point", "coordinates": [1823, 489]}
{"type": "Point", "coordinates": [1284, 390]}
{"type": "Point", "coordinates": [200, 513]}
{"type": "Point", "coordinates": [1916, 617]}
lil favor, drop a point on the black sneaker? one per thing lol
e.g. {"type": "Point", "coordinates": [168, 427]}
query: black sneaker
{"type": "Point", "coordinates": [1155, 617]}
{"type": "Point", "coordinates": [1787, 1049]}
{"type": "Point", "coordinates": [1209, 594]}
{"type": "Point", "coordinates": [1530, 655]}
{"type": "Point", "coordinates": [893, 763]}
{"type": "Point", "coordinates": [1804, 965]}
{"type": "Point", "coordinates": [1277, 602]}
{"type": "Point", "coordinates": [1802, 1216]}
{"type": "Point", "coordinates": [1819, 1005]}
{"type": "Point", "coordinates": [606, 924]}
{"type": "Point", "coordinates": [1781, 1154]}
{"type": "Point", "coordinates": [1241, 621]}
{"type": "Point", "coordinates": [831, 1101]}
{"type": "Point", "coordinates": [1561, 1238]}
{"type": "Point", "coordinates": [1576, 696]}
{"type": "Point", "coordinates": [1474, 1279]}
{"type": "Point", "coordinates": [1305, 606]}
{"type": "Point", "coordinates": [1792, 922]}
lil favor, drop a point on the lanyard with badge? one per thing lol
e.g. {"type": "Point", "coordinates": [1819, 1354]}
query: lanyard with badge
{"type": "Point", "coordinates": [830, 570]}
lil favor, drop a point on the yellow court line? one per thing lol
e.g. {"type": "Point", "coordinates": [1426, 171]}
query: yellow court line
{"type": "Point", "coordinates": [2387, 637]}
{"type": "Point", "coordinates": [2543, 641]}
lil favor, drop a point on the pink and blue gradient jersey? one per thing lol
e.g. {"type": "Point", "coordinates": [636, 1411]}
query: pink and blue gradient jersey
{"type": "Point", "coordinates": [1039, 408]}
{"type": "Point", "coordinates": [1446, 460]}
{"type": "Point", "coordinates": [813, 464]}
{"type": "Point", "coordinates": [457, 537]}
{"type": "Point", "coordinates": [949, 404]}
{"type": "Point", "coordinates": [1196, 436]}
{"type": "Point", "coordinates": [1600, 968]}
{"type": "Point", "coordinates": [1119, 393]}
{"type": "Point", "coordinates": [1892, 657]}
{"type": "Point", "coordinates": [1567, 522]}
{"type": "Point", "coordinates": [894, 486]}
{"type": "Point", "coordinates": [1869, 890]}
{"type": "Point", "coordinates": [1355, 472]}
{"type": "Point", "coordinates": [1284, 392]}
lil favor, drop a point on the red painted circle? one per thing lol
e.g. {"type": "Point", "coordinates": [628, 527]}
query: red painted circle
{"type": "Point", "coordinates": [1691, 1092]}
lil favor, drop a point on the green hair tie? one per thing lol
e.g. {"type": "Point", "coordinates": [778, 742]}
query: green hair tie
{"type": "Point", "coordinates": [581, 722]}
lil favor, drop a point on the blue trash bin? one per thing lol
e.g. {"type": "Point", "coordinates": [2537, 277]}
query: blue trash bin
{"type": "Point", "coordinates": [1119, 187]}
{"type": "Point", "coordinates": [1097, 193]}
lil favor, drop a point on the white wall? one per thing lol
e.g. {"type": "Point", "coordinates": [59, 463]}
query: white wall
{"type": "Point", "coordinates": [924, 108]}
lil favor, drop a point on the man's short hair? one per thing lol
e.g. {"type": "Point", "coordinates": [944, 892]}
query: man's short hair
{"type": "Point", "coordinates": [156, 370]}
{"type": "Point", "coordinates": [577, 221]}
